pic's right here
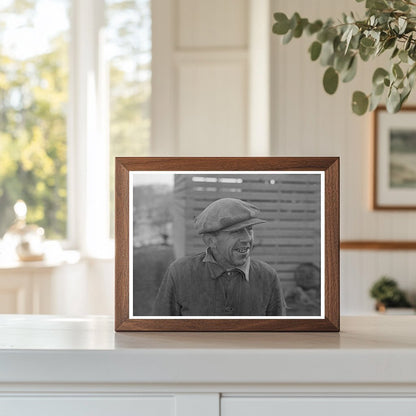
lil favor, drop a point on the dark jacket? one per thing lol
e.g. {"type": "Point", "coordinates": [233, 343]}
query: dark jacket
{"type": "Point", "coordinates": [193, 286]}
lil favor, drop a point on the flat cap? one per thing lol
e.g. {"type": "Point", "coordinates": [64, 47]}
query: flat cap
{"type": "Point", "coordinates": [227, 214]}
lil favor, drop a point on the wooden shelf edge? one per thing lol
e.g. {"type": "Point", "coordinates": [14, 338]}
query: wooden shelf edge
{"type": "Point", "coordinates": [378, 245]}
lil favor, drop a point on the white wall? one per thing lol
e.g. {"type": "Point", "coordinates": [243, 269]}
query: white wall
{"type": "Point", "coordinates": [308, 122]}
{"type": "Point", "coordinates": [210, 65]}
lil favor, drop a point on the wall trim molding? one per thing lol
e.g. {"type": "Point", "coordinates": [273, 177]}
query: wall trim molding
{"type": "Point", "coordinates": [377, 245]}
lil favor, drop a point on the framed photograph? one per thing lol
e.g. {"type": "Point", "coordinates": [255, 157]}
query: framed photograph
{"type": "Point", "coordinates": [395, 159]}
{"type": "Point", "coordinates": [227, 244]}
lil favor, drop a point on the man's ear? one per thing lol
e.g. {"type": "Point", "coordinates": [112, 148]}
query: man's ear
{"type": "Point", "coordinates": [209, 240]}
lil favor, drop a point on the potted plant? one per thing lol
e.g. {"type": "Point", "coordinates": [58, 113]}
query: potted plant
{"type": "Point", "coordinates": [389, 27]}
{"type": "Point", "coordinates": [387, 294]}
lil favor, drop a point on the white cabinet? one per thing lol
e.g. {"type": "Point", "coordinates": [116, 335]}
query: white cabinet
{"type": "Point", "coordinates": [80, 366]}
{"type": "Point", "coordinates": [269, 406]}
{"type": "Point", "coordinates": [88, 406]}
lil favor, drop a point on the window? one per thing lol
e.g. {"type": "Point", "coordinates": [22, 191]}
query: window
{"type": "Point", "coordinates": [33, 97]}
{"type": "Point", "coordinates": [129, 46]}
{"type": "Point", "coordinates": [75, 87]}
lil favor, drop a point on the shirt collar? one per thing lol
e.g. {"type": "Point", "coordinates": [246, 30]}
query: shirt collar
{"type": "Point", "coordinates": [245, 268]}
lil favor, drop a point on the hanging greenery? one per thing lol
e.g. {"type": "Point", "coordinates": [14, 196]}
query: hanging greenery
{"type": "Point", "coordinates": [389, 27]}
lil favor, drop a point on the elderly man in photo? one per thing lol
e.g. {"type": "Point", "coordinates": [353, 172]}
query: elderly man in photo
{"type": "Point", "coordinates": [224, 280]}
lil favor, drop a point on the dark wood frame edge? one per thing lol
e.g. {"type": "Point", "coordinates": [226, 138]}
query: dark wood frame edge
{"type": "Point", "coordinates": [330, 165]}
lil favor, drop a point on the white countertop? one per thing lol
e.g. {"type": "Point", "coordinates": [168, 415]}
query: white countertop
{"type": "Point", "coordinates": [50, 349]}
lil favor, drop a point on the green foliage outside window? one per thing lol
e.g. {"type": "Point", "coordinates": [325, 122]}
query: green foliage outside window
{"type": "Point", "coordinates": [34, 103]}
{"type": "Point", "coordinates": [33, 97]}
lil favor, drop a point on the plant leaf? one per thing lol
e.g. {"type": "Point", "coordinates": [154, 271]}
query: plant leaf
{"type": "Point", "coordinates": [288, 37]}
{"type": "Point", "coordinates": [376, 4]}
{"type": "Point", "coordinates": [314, 27]}
{"type": "Point", "coordinates": [281, 27]}
{"type": "Point", "coordinates": [403, 56]}
{"type": "Point", "coordinates": [395, 52]}
{"type": "Point", "coordinates": [351, 71]}
{"type": "Point", "coordinates": [378, 89]}
{"type": "Point", "coordinates": [397, 71]}
{"type": "Point", "coordinates": [393, 101]}
{"type": "Point", "coordinates": [315, 50]}
{"type": "Point", "coordinates": [379, 75]}
{"type": "Point", "coordinates": [330, 80]}
{"type": "Point", "coordinates": [327, 53]}
{"type": "Point", "coordinates": [359, 103]}
{"type": "Point", "coordinates": [374, 101]}
{"type": "Point", "coordinates": [402, 24]}
{"type": "Point", "coordinates": [408, 42]}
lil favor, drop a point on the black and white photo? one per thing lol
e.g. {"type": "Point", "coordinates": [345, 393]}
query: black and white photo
{"type": "Point", "coordinates": [227, 244]}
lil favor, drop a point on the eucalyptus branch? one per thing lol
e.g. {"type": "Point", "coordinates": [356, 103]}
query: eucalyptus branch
{"type": "Point", "coordinates": [389, 25]}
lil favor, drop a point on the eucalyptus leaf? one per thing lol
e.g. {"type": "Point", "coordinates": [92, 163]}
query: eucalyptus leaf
{"type": "Point", "coordinates": [395, 52]}
{"type": "Point", "coordinates": [374, 102]}
{"type": "Point", "coordinates": [389, 43]}
{"type": "Point", "coordinates": [327, 53]}
{"type": "Point", "coordinates": [359, 103]}
{"type": "Point", "coordinates": [403, 56]}
{"type": "Point", "coordinates": [412, 52]}
{"type": "Point", "coordinates": [288, 37]}
{"type": "Point", "coordinates": [412, 70]}
{"type": "Point", "coordinates": [281, 26]}
{"type": "Point", "coordinates": [404, 96]}
{"type": "Point", "coordinates": [294, 21]}
{"type": "Point", "coordinates": [315, 50]}
{"type": "Point", "coordinates": [376, 4]}
{"type": "Point", "coordinates": [366, 53]}
{"type": "Point", "coordinates": [314, 27]}
{"type": "Point", "coordinates": [367, 42]}
{"type": "Point", "coordinates": [351, 71]}
{"type": "Point", "coordinates": [408, 42]}
{"type": "Point", "coordinates": [298, 30]}
{"type": "Point", "coordinates": [379, 75]}
{"type": "Point", "coordinates": [322, 36]}
{"type": "Point", "coordinates": [378, 89]}
{"type": "Point", "coordinates": [402, 22]}
{"type": "Point", "coordinates": [397, 71]}
{"type": "Point", "coordinates": [393, 101]}
{"type": "Point", "coordinates": [341, 62]}
{"type": "Point", "coordinates": [330, 80]}
{"type": "Point", "coordinates": [400, 5]}
{"type": "Point", "coordinates": [411, 78]}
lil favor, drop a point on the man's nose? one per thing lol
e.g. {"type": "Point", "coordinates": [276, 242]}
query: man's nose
{"type": "Point", "coordinates": [246, 234]}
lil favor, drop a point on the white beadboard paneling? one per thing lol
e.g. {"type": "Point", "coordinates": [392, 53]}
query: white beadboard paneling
{"type": "Point", "coordinates": [212, 107]}
{"type": "Point", "coordinates": [201, 404]}
{"type": "Point", "coordinates": [212, 24]}
{"type": "Point", "coordinates": [360, 269]}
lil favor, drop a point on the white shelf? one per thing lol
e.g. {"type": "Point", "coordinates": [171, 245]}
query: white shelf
{"type": "Point", "coordinates": [51, 349]}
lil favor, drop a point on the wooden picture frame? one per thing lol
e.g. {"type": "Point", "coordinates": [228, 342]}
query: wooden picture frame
{"type": "Point", "coordinates": [292, 182]}
{"type": "Point", "coordinates": [394, 158]}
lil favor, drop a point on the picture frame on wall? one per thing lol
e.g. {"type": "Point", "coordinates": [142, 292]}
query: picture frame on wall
{"type": "Point", "coordinates": [394, 159]}
{"type": "Point", "coordinates": [227, 244]}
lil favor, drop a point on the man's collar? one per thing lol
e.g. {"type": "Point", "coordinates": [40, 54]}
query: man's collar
{"type": "Point", "coordinates": [245, 268]}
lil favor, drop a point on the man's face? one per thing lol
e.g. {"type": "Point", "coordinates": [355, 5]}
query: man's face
{"type": "Point", "coordinates": [232, 248]}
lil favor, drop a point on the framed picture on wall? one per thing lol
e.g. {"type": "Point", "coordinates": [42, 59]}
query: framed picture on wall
{"type": "Point", "coordinates": [394, 183]}
{"type": "Point", "coordinates": [227, 244]}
